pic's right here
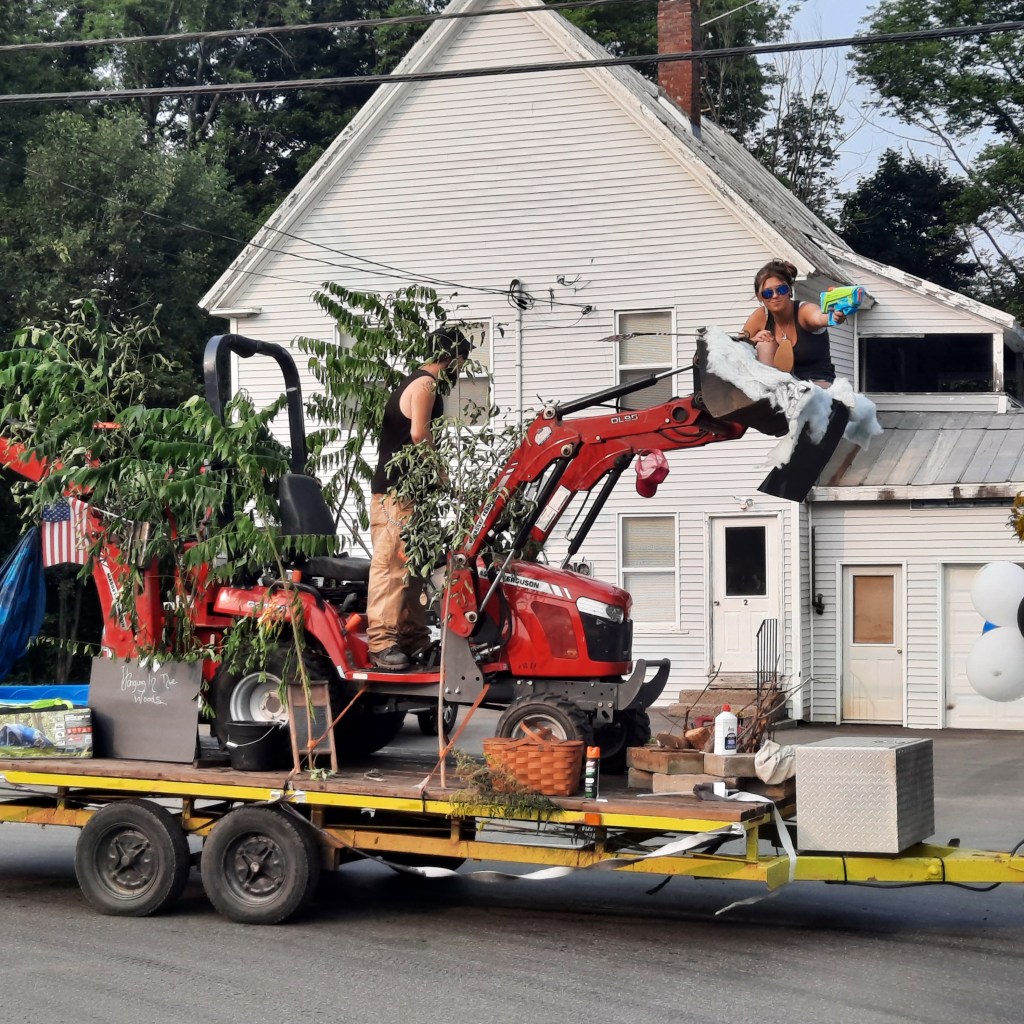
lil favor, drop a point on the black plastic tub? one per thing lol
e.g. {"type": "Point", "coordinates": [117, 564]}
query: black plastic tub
{"type": "Point", "coordinates": [258, 746]}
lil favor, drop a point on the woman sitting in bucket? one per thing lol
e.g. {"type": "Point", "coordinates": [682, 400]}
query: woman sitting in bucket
{"type": "Point", "coordinates": [792, 336]}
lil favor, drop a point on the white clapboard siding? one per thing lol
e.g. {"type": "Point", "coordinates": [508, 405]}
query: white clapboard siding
{"type": "Point", "coordinates": [923, 540]}
{"type": "Point", "coordinates": [901, 311]}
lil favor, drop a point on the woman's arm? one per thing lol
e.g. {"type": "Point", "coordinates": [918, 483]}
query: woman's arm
{"type": "Point", "coordinates": [764, 341]}
{"type": "Point", "coordinates": [813, 319]}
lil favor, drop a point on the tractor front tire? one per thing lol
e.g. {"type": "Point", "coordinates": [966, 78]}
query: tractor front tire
{"type": "Point", "coordinates": [547, 715]}
{"type": "Point", "coordinates": [628, 729]}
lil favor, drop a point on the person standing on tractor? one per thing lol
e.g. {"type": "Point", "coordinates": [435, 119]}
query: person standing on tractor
{"type": "Point", "coordinates": [396, 616]}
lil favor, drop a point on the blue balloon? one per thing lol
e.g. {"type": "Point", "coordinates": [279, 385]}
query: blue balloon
{"type": "Point", "coordinates": [988, 626]}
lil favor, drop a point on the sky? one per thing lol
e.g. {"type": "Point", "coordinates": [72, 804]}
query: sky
{"type": "Point", "coordinates": [867, 133]}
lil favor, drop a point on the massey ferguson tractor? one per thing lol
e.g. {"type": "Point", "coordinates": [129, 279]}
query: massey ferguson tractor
{"type": "Point", "coordinates": [548, 647]}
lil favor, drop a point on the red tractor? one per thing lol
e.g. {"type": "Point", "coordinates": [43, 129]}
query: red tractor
{"type": "Point", "coordinates": [548, 646]}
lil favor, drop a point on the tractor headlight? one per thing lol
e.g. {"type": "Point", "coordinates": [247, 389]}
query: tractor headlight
{"type": "Point", "coordinates": [611, 612]}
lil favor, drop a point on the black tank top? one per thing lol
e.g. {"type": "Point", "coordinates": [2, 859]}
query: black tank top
{"type": "Point", "coordinates": [396, 433]}
{"type": "Point", "coordinates": [812, 353]}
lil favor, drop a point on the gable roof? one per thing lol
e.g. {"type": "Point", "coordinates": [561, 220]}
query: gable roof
{"type": "Point", "coordinates": [723, 166]}
{"type": "Point", "coordinates": [941, 456]}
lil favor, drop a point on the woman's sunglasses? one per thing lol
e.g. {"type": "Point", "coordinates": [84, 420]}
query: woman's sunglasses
{"type": "Point", "coordinates": [782, 291]}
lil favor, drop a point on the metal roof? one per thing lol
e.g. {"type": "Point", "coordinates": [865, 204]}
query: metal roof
{"type": "Point", "coordinates": [958, 455]}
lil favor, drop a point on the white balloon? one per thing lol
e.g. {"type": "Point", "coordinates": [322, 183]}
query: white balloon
{"type": "Point", "coordinates": [997, 591]}
{"type": "Point", "coordinates": [995, 666]}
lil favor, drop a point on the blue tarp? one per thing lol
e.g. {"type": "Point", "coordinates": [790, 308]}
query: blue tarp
{"type": "Point", "coordinates": [22, 599]}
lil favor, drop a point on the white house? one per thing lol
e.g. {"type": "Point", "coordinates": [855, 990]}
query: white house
{"type": "Point", "coordinates": [607, 209]}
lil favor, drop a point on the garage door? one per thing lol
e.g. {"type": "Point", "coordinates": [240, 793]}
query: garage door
{"type": "Point", "coordinates": [965, 709]}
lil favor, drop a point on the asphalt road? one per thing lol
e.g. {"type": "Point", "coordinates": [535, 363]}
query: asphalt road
{"type": "Point", "coordinates": [379, 948]}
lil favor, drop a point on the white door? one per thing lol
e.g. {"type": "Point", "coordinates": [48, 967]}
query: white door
{"type": "Point", "coordinates": [872, 681]}
{"type": "Point", "coordinates": [744, 588]}
{"type": "Point", "coordinates": [962, 625]}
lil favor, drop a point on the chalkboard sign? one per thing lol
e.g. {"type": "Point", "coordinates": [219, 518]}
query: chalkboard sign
{"type": "Point", "coordinates": [145, 712]}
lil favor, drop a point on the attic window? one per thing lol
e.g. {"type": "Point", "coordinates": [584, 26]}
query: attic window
{"type": "Point", "coordinates": [935, 363]}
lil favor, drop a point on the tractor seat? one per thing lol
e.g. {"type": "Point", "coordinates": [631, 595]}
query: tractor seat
{"type": "Point", "coordinates": [304, 513]}
{"type": "Point", "coordinates": [339, 567]}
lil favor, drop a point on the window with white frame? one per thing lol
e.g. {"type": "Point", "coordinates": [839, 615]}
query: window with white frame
{"type": "Point", "coordinates": [648, 346]}
{"type": "Point", "coordinates": [470, 396]}
{"type": "Point", "coordinates": [649, 566]}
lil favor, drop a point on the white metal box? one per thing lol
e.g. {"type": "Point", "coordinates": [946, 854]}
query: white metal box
{"type": "Point", "coordinates": [864, 795]}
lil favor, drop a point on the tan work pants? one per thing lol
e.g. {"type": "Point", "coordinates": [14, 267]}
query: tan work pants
{"type": "Point", "coordinates": [395, 613]}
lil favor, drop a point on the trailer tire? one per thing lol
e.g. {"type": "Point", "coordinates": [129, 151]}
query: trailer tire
{"type": "Point", "coordinates": [260, 866]}
{"type": "Point", "coordinates": [254, 696]}
{"type": "Point", "coordinates": [564, 719]}
{"type": "Point", "coordinates": [132, 859]}
{"type": "Point", "coordinates": [630, 728]}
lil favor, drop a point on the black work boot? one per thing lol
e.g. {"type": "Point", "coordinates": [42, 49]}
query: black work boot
{"type": "Point", "coordinates": [394, 659]}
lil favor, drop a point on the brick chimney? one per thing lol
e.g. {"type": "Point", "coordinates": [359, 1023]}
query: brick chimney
{"type": "Point", "coordinates": [679, 32]}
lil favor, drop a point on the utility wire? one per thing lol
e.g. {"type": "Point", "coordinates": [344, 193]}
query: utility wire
{"type": "Point", "coordinates": [373, 267]}
{"type": "Point", "coordinates": [320, 26]}
{"type": "Point", "coordinates": [244, 88]}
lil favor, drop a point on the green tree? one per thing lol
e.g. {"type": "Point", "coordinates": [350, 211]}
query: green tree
{"type": "Point", "coordinates": [907, 215]}
{"type": "Point", "coordinates": [962, 91]}
{"type": "Point", "coordinates": [100, 213]}
{"type": "Point", "coordinates": [799, 147]}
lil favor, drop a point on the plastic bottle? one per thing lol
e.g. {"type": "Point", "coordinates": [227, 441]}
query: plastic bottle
{"type": "Point", "coordinates": [591, 772]}
{"type": "Point", "coordinates": [725, 731]}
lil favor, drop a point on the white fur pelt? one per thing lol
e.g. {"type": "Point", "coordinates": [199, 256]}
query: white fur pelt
{"type": "Point", "coordinates": [803, 404]}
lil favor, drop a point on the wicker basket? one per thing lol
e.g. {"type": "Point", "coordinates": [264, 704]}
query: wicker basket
{"type": "Point", "coordinates": [548, 767]}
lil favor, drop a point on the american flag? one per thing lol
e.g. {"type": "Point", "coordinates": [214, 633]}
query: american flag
{"type": "Point", "coordinates": [64, 532]}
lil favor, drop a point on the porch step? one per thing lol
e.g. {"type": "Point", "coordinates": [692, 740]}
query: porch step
{"type": "Point", "coordinates": [709, 703]}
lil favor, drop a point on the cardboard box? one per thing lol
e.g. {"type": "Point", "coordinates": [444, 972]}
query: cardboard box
{"type": "Point", "coordinates": [865, 795]}
{"type": "Point", "coordinates": [50, 733]}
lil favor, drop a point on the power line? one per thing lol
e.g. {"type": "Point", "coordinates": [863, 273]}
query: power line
{"type": "Point", "coordinates": [320, 26]}
{"type": "Point", "coordinates": [373, 266]}
{"type": "Point", "coordinates": [244, 88]}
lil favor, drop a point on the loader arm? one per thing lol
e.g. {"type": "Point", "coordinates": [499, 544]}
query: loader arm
{"type": "Point", "coordinates": [575, 455]}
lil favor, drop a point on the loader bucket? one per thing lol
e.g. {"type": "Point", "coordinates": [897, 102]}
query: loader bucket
{"type": "Point", "coordinates": [794, 480]}
{"type": "Point", "coordinates": [725, 401]}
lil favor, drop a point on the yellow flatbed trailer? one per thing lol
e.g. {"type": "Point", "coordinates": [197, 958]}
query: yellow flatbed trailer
{"type": "Point", "coordinates": [266, 836]}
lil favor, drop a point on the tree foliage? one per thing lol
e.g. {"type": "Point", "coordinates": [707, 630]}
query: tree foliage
{"type": "Point", "coordinates": [100, 213]}
{"type": "Point", "coordinates": [907, 215]}
{"type": "Point", "coordinates": [960, 91]}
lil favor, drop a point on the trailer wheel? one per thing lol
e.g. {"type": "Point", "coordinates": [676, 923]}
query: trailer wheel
{"type": "Point", "coordinates": [260, 866]}
{"type": "Point", "coordinates": [628, 729]}
{"type": "Point", "coordinates": [545, 713]}
{"type": "Point", "coordinates": [132, 859]}
{"type": "Point", "coordinates": [427, 720]}
{"type": "Point", "coordinates": [255, 696]}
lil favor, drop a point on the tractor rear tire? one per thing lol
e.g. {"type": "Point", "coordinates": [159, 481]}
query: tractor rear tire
{"type": "Point", "coordinates": [628, 729]}
{"type": "Point", "coordinates": [545, 713]}
{"type": "Point", "coordinates": [256, 696]}
{"type": "Point", "coordinates": [132, 859]}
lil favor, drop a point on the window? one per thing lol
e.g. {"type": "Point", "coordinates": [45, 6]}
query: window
{"type": "Point", "coordinates": [873, 609]}
{"type": "Point", "coordinates": [746, 561]}
{"type": "Point", "coordinates": [651, 351]}
{"type": "Point", "coordinates": [936, 363]}
{"type": "Point", "coordinates": [470, 396]}
{"type": "Point", "coordinates": [649, 566]}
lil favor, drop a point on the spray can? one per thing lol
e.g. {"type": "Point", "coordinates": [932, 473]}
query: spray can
{"type": "Point", "coordinates": [726, 725]}
{"type": "Point", "coordinates": [591, 772]}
